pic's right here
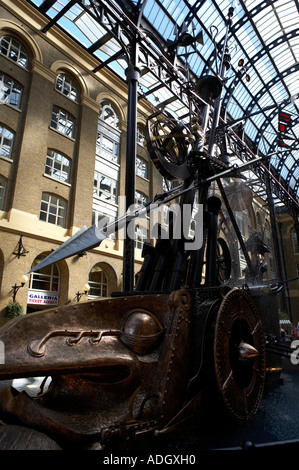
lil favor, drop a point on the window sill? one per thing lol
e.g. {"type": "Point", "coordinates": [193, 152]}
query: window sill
{"type": "Point", "coordinates": [104, 159]}
{"type": "Point", "coordinates": [61, 133]}
{"type": "Point", "coordinates": [10, 160]}
{"type": "Point", "coordinates": [12, 106]}
{"type": "Point", "coordinates": [143, 178]}
{"type": "Point", "coordinates": [56, 180]}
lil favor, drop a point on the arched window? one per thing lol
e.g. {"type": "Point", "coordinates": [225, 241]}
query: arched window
{"type": "Point", "coordinates": [108, 135]}
{"type": "Point", "coordinates": [44, 284]}
{"type": "Point", "coordinates": [53, 209]}
{"type": "Point", "coordinates": [108, 115]}
{"type": "Point", "coordinates": [98, 282]}
{"type": "Point", "coordinates": [10, 91]}
{"type": "Point", "coordinates": [6, 142]}
{"type": "Point", "coordinates": [67, 86]}
{"type": "Point", "coordinates": [57, 166]}
{"type": "Point", "coordinates": [3, 182]}
{"type": "Point", "coordinates": [11, 48]}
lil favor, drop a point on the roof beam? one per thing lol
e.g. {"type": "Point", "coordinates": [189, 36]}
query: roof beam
{"type": "Point", "coordinates": [58, 16]}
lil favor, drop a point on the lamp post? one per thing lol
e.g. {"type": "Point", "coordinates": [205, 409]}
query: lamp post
{"type": "Point", "coordinates": [85, 290]}
{"type": "Point", "coordinates": [23, 279]}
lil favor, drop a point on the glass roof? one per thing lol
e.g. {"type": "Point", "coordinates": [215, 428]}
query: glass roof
{"type": "Point", "coordinates": [265, 35]}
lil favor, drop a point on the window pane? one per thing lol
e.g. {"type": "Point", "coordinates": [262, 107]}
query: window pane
{"type": "Point", "coordinates": [108, 115]}
{"type": "Point", "coordinates": [12, 49]}
{"type": "Point", "coordinates": [6, 142]}
{"type": "Point", "coordinates": [105, 188]}
{"type": "Point", "coordinates": [65, 85]}
{"type": "Point", "coordinates": [98, 282]}
{"type": "Point", "coordinates": [46, 279]}
{"type": "Point", "coordinates": [57, 166]}
{"type": "Point", "coordinates": [62, 122]}
{"type": "Point", "coordinates": [2, 191]}
{"type": "Point", "coordinates": [141, 167]}
{"type": "Point", "coordinates": [52, 209]}
{"type": "Point", "coordinates": [10, 91]}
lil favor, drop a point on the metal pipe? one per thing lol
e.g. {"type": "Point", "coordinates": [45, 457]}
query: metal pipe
{"type": "Point", "coordinates": [132, 73]}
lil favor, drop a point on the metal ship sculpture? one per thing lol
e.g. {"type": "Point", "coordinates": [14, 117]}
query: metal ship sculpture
{"type": "Point", "coordinates": [151, 361]}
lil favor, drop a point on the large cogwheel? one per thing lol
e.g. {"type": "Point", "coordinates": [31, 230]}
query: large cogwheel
{"type": "Point", "coordinates": [239, 354]}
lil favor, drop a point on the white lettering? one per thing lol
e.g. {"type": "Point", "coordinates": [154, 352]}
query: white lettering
{"type": "Point", "coordinates": [42, 298]}
{"type": "Point", "coordinates": [114, 460]}
{"type": "Point", "coordinates": [295, 354]}
{"type": "Point", "coordinates": [171, 459]}
{"type": "Point", "coordinates": [159, 219]}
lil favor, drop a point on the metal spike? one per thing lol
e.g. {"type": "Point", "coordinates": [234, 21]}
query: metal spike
{"type": "Point", "coordinates": [246, 351]}
{"type": "Point", "coordinates": [84, 240]}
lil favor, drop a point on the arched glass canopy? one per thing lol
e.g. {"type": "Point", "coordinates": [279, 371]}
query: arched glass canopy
{"type": "Point", "coordinates": [261, 83]}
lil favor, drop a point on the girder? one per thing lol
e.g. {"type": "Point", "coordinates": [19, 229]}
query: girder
{"type": "Point", "coordinates": [165, 81]}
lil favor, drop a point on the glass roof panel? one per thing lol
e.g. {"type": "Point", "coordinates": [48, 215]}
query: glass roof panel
{"type": "Point", "coordinates": [265, 34]}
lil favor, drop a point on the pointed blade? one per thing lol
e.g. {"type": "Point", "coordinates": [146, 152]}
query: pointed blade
{"type": "Point", "coordinates": [246, 351]}
{"type": "Point", "coordinates": [83, 240]}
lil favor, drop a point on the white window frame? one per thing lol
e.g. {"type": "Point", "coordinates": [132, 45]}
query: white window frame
{"type": "Point", "coordinates": [141, 167]}
{"type": "Point", "coordinates": [106, 165]}
{"type": "Point", "coordinates": [55, 164]}
{"type": "Point", "coordinates": [65, 85]}
{"type": "Point", "coordinates": [52, 279]}
{"type": "Point", "coordinates": [140, 136]}
{"type": "Point", "coordinates": [102, 286]}
{"type": "Point", "coordinates": [6, 141]}
{"type": "Point", "coordinates": [14, 51]}
{"type": "Point", "coordinates": [53, 208]}
{"type": "Point", "coordinates": [140, 236]}
{"type": "Point", "coordinates": [109, 116]}
{"type": "Point", "coordinates": [63, 122]}
{"type": "Point", "coordinates": [10, 91]}
{"type": "Point", "coordinates": [109, 196]}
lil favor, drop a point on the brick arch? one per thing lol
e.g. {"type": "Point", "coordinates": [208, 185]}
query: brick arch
{"type": "Point", "coordinates": [10, 27]}
{"type": "Point", "coordinates": [64, 66]}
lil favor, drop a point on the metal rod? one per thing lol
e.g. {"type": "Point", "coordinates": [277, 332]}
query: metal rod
{"type": "Point", "coordinates": [132, 74]}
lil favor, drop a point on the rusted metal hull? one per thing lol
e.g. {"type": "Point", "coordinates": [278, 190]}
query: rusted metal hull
{"type": "Point", "coordinates": [127, 367]}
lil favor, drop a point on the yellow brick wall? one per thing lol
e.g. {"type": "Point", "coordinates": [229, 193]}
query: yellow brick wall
{"type": "Point", "coordinates": [50, 54]}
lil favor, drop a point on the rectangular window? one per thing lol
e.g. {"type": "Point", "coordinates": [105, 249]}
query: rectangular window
{"type": "Point", "coordinates": [140, 236]}
{"type": "Point", "coordinates": [101, 219]}
{"type": "Point", "coordinates": [10, 92]}
{"type": "Point", "coordinates": [57, 166]}
{"type": "Point", "coordinates": [6, 142]}
{"type": "Point", "coordinates": [105, 188]}
{"type": "Point", "coordinates": [107, 147]}
{"type": "Point", "coordinates": [140, 136]}
{"type": "Point", "coordinates": [53, 209]}
{"type": "Point", "coordinates": [141, 167]}
{"type": "Point", "coordinates": [62, 122]}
